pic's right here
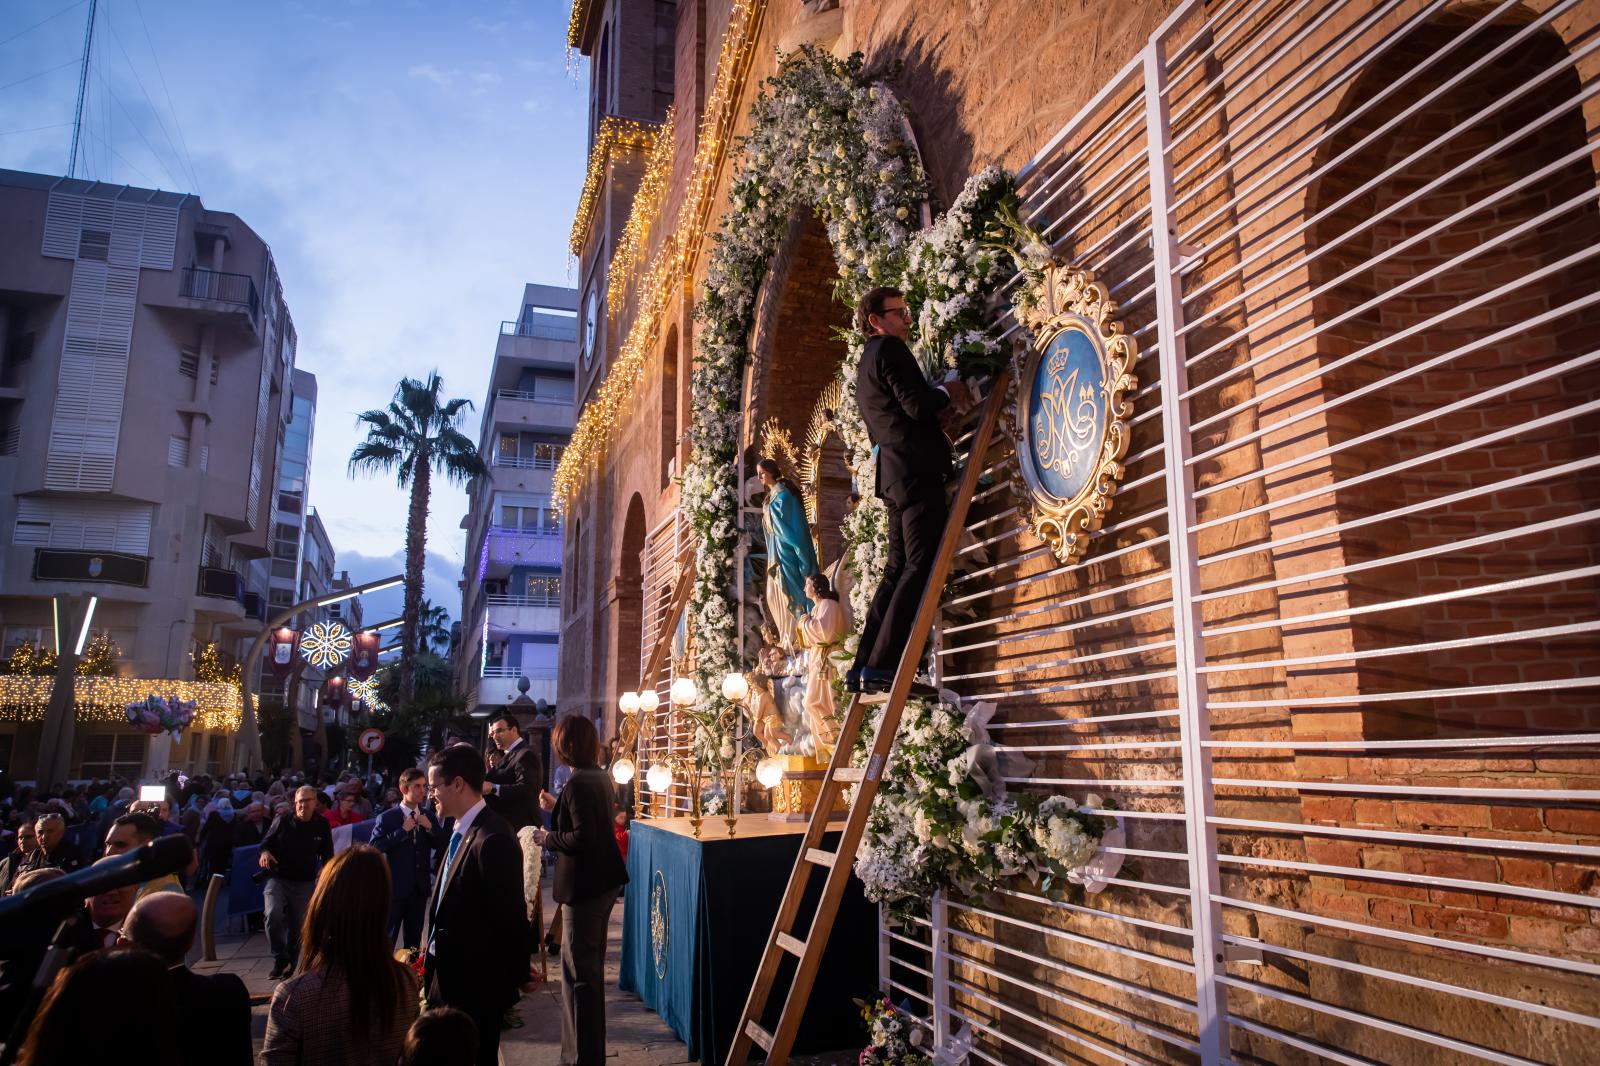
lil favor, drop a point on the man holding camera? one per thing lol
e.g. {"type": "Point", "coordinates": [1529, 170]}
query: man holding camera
{"type": "Point", "coordinates": [292, 854]}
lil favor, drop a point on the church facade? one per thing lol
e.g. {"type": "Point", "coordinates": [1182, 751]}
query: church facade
{"type": "Point", "coordinates": [1334, 649]}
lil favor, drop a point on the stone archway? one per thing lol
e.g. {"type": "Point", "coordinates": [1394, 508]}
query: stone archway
{"type": "Point", "coordinates": [627, 595]}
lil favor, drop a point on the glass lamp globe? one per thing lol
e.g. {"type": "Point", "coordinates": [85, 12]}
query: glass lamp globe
{"type": "Point", "coordinates": [648, 700]}
{"type": "Point", "coordinates": [629, 702]}
{"type": "Point", "coordinates": [622, 771]}
{"type": "Point", "coordinates": [769, 772]}
{"type": "Point", "coordinates": [735, 688]}
{"type": "Point", "coordinates": [684, 692]}
{"type": "Point", "coordinates": [658, 777]}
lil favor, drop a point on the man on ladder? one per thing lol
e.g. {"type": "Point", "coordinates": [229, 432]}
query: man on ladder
{"type": "Point", "coordinates": [905, 418]}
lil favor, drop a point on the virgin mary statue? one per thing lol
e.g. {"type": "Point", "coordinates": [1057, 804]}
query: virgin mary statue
{"type": "Point", "coordinates": [790, 554]}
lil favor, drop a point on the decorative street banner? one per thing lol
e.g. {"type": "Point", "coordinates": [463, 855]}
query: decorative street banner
{"type": "Point", "coordinates": [363, 655]}
{"type": "Point", "coordinates": [280, 653]}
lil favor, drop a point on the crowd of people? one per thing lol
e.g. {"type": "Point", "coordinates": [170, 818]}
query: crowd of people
{"type": "Point", "coordinates": [412, 946]}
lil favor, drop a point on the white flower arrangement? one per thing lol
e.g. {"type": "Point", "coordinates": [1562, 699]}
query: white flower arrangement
{"type": "Point", "coordinates": [942, 819]}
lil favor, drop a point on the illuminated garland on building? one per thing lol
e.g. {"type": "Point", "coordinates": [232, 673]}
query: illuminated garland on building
{"type": "Point", "coordinates": [648, 204]}
{"type": "Point", "coordinates": [616, 135]}
{"type": "Point", "coordinates": [102, 699]}
{"type": "Point", "coordinates": [613, 397]}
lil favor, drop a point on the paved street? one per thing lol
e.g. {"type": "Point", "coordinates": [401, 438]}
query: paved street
{"type": "Point", "coordinates": [637, 1035]}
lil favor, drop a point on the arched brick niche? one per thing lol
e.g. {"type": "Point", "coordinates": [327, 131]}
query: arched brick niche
{"type": "Point", "coordinates": [797, 351]}
{"type": "Point", "coordinates": [628, 612]}
{"type": "Point", "coordinates": [1400, 288]}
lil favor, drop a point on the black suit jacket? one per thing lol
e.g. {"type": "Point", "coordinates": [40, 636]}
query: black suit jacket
{"type": "Point", "coordinates": [215, 1011]}
{"type": "Point", "coordinates": [584, 839]}
{"type": "Point", "coordinates": [410, 854]}
{"type": "Point", "coordinates": [518, 777]}
{"type": "Point", "coordinates": [902, 414]}
{"type": "Point", "coordinates": [477, 922]}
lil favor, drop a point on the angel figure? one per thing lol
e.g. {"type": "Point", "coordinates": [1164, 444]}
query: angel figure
{"type": "Point", "coordinates": [824, 628]}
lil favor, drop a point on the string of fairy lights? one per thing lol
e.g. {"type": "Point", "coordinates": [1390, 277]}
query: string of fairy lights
{"type": "Point", "coordinates": [673, 263]}
{"type": "Point", "coordinates": [102, 699]}
{"type": "Point", "coordinates": [616, 135]}
{"type": "Point", "coordinates": [649, 201]}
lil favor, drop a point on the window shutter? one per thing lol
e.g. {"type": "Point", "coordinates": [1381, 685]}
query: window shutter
{"type": "Point", "coordinates": [178, 451]}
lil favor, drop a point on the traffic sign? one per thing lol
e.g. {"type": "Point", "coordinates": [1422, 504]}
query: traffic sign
{"type": "Point", "coordinates": [370, 741]}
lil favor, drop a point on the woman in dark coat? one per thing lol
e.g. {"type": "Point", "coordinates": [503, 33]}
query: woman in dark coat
{"type": "Point", "coordinates": [589, 874]}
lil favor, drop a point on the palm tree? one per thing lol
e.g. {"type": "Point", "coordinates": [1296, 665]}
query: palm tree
{"type": "Point", "coordinates": [433, 627]}
{"type": "Point", "coordinates": [414, 438]}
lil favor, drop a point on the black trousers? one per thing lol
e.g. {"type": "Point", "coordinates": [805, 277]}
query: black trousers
{"type": "Point", "coordinates": [915, 526]}
{"type": "Point", "coordinates": [407, 913]}
{"type": "Point", "coordinates": [583, 978]}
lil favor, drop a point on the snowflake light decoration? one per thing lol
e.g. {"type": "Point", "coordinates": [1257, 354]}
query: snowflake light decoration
{"type": "Point", "coordinates": [365, 689]}
{"type": "Point", "coordinates": [326, 644]}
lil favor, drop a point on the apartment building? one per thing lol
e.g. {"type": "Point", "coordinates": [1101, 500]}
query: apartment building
{"type": "Point", "coordinates": [511, 587]}
{"type": "Point", "coordinates": [146, 362]}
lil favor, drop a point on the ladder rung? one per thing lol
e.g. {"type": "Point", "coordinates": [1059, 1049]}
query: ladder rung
{"type": "Point", "coordinates": [849, 773]}
{"type": "Point", "coordinates": [818, 857]}
{"type": "Point", "coordinates": [873, 699]}
{"type": "Point", "coordinates": [762, 1038]}
{"type": "Point", "coordinates": [793, 945]}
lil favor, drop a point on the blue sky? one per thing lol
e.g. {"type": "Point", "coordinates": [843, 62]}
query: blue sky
{"type": "Point", "coordinates": [411, 164]}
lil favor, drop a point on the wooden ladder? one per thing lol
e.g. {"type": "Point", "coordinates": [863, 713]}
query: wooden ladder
{"type": "Point", "coordinates": [786, 937]}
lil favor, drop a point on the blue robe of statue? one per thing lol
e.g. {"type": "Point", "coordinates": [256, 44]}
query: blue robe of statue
{"type": "Point", "coordinates": [790, 553]}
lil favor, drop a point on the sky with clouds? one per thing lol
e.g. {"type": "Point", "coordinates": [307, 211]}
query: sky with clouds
{"type": "Point", "coordinates": [411, 163]}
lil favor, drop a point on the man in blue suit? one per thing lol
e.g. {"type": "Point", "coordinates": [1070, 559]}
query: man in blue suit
{"type": "Point", "coordinates": [409, 834]}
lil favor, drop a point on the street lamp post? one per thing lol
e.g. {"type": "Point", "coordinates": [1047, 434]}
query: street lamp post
{"type": "Point", "coordinates": [247, 752]}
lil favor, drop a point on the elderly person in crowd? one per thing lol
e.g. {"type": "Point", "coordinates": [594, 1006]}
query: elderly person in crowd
{"type": "Point", "coordinates": [53, 849]}
{"type": "Point", "coordinates": [293, 852]}
{"type": "Point", "coordinates": [214, 1010]}
{"type": "Point", "coordinates": [251, 826]}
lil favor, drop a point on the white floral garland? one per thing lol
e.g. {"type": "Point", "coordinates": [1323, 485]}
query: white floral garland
{"type": "Point", "coordinates": [822, 137]}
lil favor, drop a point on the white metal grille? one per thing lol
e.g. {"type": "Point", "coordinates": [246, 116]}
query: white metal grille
{"type": "Point", "coordinates": [1333, 652]}
{"type": "Point", "coordinates": [663, 549]}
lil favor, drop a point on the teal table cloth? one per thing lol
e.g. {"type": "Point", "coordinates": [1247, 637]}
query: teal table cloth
{"type": "Point", "coordinates": [696, 918]}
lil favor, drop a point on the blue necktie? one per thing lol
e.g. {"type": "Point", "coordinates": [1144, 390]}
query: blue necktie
{"type": "Point", "coordinates": [444, 872]}
{"type": "Point", "coordinates": [450, 853]}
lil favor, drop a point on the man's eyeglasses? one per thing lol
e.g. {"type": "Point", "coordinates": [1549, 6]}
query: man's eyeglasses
{"type": "Point", "coordinates": [903, 312]}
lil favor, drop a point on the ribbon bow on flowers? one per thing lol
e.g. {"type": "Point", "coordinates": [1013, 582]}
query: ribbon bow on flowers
{"type": "Point", "coordinates": [153, 714]}
{"type": "Point", "coordinates": [1093, 874]}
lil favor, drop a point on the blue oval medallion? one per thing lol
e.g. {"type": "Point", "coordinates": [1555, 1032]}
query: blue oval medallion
{"type": "Point", "coordinates": [1067, 413]}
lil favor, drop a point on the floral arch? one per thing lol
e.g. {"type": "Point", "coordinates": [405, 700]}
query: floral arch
{"type": "Point", "coordinates": [827, 138]}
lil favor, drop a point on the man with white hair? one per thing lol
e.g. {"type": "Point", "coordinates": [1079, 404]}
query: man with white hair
{"type": "Point", "coordinates": [292, 853]}
{"type": "Point", "coordinates": [53, 850]}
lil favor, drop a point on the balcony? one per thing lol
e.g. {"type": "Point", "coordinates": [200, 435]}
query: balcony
{"type": "Point", "coordinates": [216, 295]}
{"type": "Point", "coordinates": [537, 462]}
{"type": "Point", "coordinates": [495, 690]}
{"type": "Point", "coordinates": [525, 614]}
{"type": "Point", "coordinates": [548, 327]}
{"type": "Point", "coordinates": [516, 409]}
{"type": "Point", "coordinates": [221, 583]}
{"type": "Point", "coordinates": [505, 548]}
